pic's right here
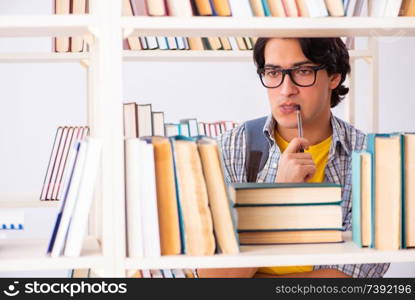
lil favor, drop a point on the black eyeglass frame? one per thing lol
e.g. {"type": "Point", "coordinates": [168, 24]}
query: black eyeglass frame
{"type": "Point", "coordinates": [261, 71]}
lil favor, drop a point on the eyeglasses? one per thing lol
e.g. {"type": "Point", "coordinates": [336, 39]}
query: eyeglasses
{"type": "Point", "coordinates": [302, 76]}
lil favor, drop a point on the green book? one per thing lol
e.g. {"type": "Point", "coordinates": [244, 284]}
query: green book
{"type": "Point", "coordinates": [285, 194]}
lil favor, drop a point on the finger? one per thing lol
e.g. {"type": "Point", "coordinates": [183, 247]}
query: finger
{"type": "Point", "coordinates": [299, 156]}
{"type": "Point", "coordinates": [307, 171]}
{"type": "Point", "coordinates": [296, 144]}
{"type": "Point", "coordinates": [305, 162]}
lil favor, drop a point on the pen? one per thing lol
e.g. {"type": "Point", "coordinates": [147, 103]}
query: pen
{"type": "Point", "coordinates": [299, 125]}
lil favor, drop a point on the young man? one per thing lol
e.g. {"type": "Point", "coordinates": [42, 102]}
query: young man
{"type": "Point", "coordinates": [308, 72]}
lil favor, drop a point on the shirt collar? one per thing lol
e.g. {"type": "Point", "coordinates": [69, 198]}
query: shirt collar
{"type": "Point", "coordinates": [339, 136]}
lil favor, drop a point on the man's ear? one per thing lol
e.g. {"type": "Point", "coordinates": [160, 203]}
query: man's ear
{"type": "Point", "coordinates": [335, 80]}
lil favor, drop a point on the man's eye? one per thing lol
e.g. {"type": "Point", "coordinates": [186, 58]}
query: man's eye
{"type": "Point", "coordinates": [304, 71]}
{"type": "Point", "coordinates": [273, 73]}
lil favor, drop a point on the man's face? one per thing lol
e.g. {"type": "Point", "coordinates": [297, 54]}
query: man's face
{"type": "Point", "coordinates": [314, 100]}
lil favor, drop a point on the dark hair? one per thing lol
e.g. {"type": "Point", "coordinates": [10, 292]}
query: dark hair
{"type": "Point", "coordinates": [331, 52]}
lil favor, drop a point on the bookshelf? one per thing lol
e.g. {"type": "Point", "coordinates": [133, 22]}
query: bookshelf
{"type": "Point", "coordinates": [105, 247]}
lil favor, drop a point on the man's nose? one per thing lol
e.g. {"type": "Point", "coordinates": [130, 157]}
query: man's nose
{"type": "Point", "coordinates": [288, 87]}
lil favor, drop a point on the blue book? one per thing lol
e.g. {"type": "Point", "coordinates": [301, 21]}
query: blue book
{"type": "Point", "coordinates": [356, 199]}
{"type": "Point", "coordinates": [265, 6]}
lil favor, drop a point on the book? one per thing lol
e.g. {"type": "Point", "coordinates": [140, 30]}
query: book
{"type": "Point", "coordinates": [179, 8]}
{"type": "Point", "coordinates": [409, 190]}
{"type": "Point", "coordinates": [220, 204]}
{"type": "Point", "coordinates": [158, 123]}
{"type": "Point", "coordinates": [203, 7]}
{"type": "Point", "coordinates": [67, 205]}
{"type": "Point", "coordinates": [407, 8]}
{"type": "Point", "coordinates": [56, 164]}
{"type": "Point", "coordinates": [257, 8]}
{"type": "Point", "coordinates": [171, 129]}
{"type": "Point", "coordinates": [150, 220]}
{"type": "Point", "coordinates": [240, 8]}
{"type": "Point", "coordinates": [52, 159]}
{"type": "Point", "coordinates": [156, 8]}
{"type": "Point", "coordinates": [377, 8]}
{"type": "Point", "coordinates": [290, 8]}
{"type": "Point", "coordinates": [78, 8]}
{"type": "Point", "coordinates": [386, 153]}
{"type": "Point", "coordinates": [170, 238]}
{"type": "Point", "coordinates": [62, 7]}
{"type": "Point", "coordinates": [193, 197]}
{"type": "Point", "coordinates": [134, 174]}
{"type": "Point", "coordinates": [392, 8]}
{"type": "Point", "coordinates": [285, 193]}
{"type": "Point", "coordinates": [290, 217]}
{"type": "Point", "coordinates": [290, 237]}
{"type": "Point", "coordinates": [79, 220]}
{"type": "Point", "coordinates": [222, 8]}
{"type": "Point", "coordinates": [193, 129]}
{"type": "Point", "coordinates": [145, 123]}
{"type": "Point", "coordinates": [276, 8]}
{"type": "Point", "coordinates": [130, 120]}
{"type": "Point", "coordinates": [335, 8]}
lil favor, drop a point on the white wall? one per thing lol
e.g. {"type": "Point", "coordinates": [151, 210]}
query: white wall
{"type": "Point", "coordinates": [36, 98]}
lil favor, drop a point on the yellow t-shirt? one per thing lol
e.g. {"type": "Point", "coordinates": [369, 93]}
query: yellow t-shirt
{"type": "Point", "coordinates": [320, 154]}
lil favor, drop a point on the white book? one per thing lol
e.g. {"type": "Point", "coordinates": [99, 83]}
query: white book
{"type": "Point", "coordinates": [167, 273]}
{"type": "Point", "coordinates": [179, 8]}
{"type": "Point", "coordinates": [68, 170]}
{"type": "Point", "coordinates": [161, 40]}
{"type": "Point", "coordinates": [350, 8]}
{"type": "Point", "coordinates": [377, 8]}
{"type": "Point", "coordinates": [178, 273]}
{"type": "Point", "coordinates": [240, 8]}
{"type": "Point", "coordinates": [146, 273]}
{"type": "Point", "coordinates": [152, 43]}
{"type": "Point", "coordinates": [68, 203]}
{"type": "Point", "coordinates": [134, 174]}
{"type": "Point", "coordinates": [392, 8]}
{"type": "Point", "coordinates": [320, 8]}
{"type": "Point", "coordinates": [148, 199]}
{"type": "Point", "coordinates": [180, 43]}
{"type": "Point", "coordinates": [171, 41]}
{"type": "Point", "coordinates": [201, 128]}
{"type": "Point", "coordinates": [234, 44]}
{"type": "Point", "coordinates": [156, 273]}
{"type": "Point", "coordinates": [79, 221]}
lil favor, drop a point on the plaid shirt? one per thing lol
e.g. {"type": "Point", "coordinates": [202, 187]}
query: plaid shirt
{"type": "Point", "coordinates": [345, 140]}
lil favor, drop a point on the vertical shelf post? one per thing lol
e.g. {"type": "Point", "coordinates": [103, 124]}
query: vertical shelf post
{"type": "Point", "coordinates": [106, 122]}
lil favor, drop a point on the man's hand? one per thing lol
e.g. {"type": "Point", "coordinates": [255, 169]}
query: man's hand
{"type": "Point", "coordinates": [295, 166]}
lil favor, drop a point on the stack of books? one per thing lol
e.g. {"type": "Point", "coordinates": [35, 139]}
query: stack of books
{"type": "Point", "coordinates": [65, 139]}
{"type": "Point", "coordinates": [78, 185]}
{"type": "Point", "coordinates": [281, 213]}
{"type": "Point", "coordinates": [383, 192]}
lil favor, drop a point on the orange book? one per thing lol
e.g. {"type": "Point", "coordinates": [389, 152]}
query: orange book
{"type": "Point", "coordinates": [407, 8]}
{"type": "Point", "coordinates": [166, 197]}
{"type": "Point", "coordinates": [222, 8]}
{"type": "Point", "coordinates": [195, 43]}
{"type": "Point", "coordinates": [78, 8]}
{"type": "Point", "coordinates": [203, 7]}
